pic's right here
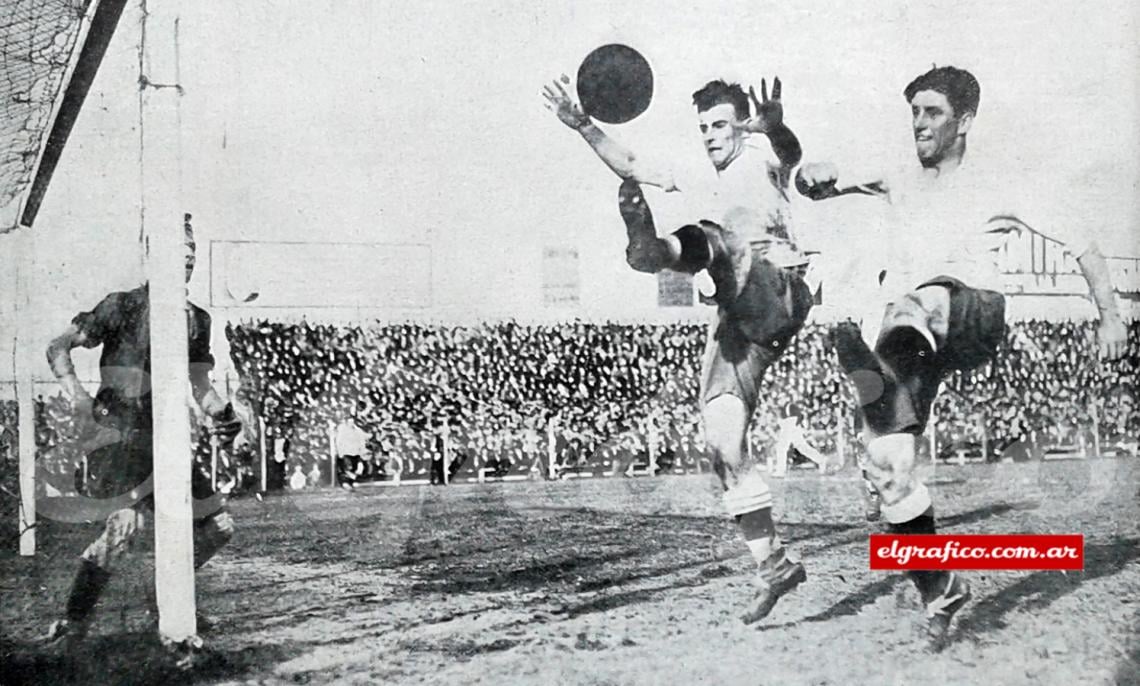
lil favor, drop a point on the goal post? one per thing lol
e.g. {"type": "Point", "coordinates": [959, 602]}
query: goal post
{"type": "Point", "coordinates": [25, 391]}
{"type": "Point", "coordinates": [47, 78]}
{"type": "Point", "coordinates": [162, 217]}
{"type": "Point", "coordinates": [49, 55]}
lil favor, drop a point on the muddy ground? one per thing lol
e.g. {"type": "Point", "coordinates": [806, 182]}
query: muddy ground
{"type": "Point", "coordinates": [614, 581]}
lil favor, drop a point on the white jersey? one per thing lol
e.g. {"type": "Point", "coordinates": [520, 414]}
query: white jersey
{"type": "Point", "coordinates": [956, 224]}
{"type": "Point", "coordinates": [750, 196]}
{"type": "Point", "coordinates": [350, 439]}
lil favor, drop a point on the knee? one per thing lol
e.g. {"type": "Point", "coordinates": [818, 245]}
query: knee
{"type": "Point", "coordinates": [123, 524]}
{"type": "Point", "coordinates": [935, 300]}
{"type": "Point", "coordinates": [891, 463]}
{"type": "Point", "coordinates": [639, 259]}
{"type": "Point", "coordinates": [118, 533]}
{"type": "Point", "coordinates": [222, 527]}
{"type": "Point", "coordinates": [894, 451]}
{"type": "Point", "coordinates": [725, 453]}
{"type": "Point", "coordinates": [908, 327]}
{"type": "Point", "coordinates": [726, 420]}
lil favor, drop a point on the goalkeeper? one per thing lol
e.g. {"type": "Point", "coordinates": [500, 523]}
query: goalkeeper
{"type": "Point", "coordinates": [118, 423]}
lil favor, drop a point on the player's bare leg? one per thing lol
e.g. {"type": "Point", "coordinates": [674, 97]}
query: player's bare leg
{"type": "Point", "coordinates": [727, 407]}
{"type": "Point", "coordinates": [881, 378]}
{"type": "Point", "coordinates": [749, 501]}
{"type": "Point", "coordinates": [908, 509]}
{"type": "Point", "coordinates": [95, 570]}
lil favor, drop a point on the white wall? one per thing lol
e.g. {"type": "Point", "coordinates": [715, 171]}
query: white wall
{"type": "Point", "coordinates": [359, 121]}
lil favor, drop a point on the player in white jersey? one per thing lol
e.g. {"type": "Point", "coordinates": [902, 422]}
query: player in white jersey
{"type": "Point", "coordinates": [944, 311]}
{"type": "Point", "coordinates": [744, 242]}
{"type": "Point", "coordinates": [791, 435]}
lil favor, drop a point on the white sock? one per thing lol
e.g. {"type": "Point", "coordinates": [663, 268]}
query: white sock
{"type": "Point", "coordinates": [763, 548]}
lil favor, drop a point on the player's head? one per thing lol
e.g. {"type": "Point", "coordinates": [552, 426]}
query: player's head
{"type": "Point", "coordinates": [190, 246]}
{"type": "Point", "coordinates": [720, 107]}
{"type": "Point", "coordinates": [943, 102]}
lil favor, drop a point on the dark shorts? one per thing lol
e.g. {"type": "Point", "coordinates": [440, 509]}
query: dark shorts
{"type": "Point", "coordinates": [119, 460]}
{"type": "Point", "coordinates": [116, 467]}
{"type": "Point", "coordinates": [975, 331]}
{"type": "Point", "coordinates": [347, 466]}
{"type": "Point", "coordinates": [752, 332]}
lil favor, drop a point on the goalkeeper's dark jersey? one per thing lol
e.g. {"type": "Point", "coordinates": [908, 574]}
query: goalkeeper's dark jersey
{"type": "Point", "coordinates": [120, 323]}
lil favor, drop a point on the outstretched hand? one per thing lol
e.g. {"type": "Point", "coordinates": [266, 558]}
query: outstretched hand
{"type": "Point", "coordinates": [225, 425]}
{"type": "Point", "coordinates": [559, 101]}
{"type": "Point", "coordinates": [816, 180]}
{"type": "Point", "coordinates": [767, 113]}
{"type": "Point", "coordinates": [1112, 338]}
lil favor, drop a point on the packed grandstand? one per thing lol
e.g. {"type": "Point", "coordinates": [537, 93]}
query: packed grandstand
{"type": "Point", "coordinates": [591, 398]}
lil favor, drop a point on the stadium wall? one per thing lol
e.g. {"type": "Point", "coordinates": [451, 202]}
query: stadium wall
{"type": "Point", "coordinates": [258, 167]}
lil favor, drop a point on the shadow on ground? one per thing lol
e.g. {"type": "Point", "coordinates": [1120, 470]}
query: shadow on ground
{"type": "Point", "coordinates": [134, 658]}
{"type": "Point", "coordinates": [1039, 590]}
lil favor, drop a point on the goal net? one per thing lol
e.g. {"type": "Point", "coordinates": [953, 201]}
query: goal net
{"type": "Point", "coordinates": [38, 39]}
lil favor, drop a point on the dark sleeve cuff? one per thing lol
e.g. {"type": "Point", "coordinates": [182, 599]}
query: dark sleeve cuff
{"type": "Point", "coordinates": [696, 254]}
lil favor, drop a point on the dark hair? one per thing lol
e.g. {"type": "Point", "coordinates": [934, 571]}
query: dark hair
{"type": "Point", "coordinates": [958, 85]}
{"type": "Point", "coordinates": [717, 93]}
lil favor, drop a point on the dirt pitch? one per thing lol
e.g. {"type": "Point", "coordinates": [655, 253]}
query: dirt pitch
{"type": "Point", "coordinates": [618, 581]}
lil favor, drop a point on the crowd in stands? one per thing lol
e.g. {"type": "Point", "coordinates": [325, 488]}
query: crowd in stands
{"type": "Point", "coordinates": [497, 394]}
{"type": "Point", "coordinates": [494, 390]}
{"type": "Point", "coordinates": [601, 391]}
{"type": "Point", "coordinates": [1048, 383]}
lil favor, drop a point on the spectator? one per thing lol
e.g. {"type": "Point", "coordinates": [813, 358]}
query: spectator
{"type": "Point", "coordinates": [600, 380]}
{"type": "Point", "coordinates": [350, 448]}
{"type": "Point", "coordinates": [297, 479]}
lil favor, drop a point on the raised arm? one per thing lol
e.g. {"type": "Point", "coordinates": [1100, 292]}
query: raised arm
{"type": "Point", "coordinates": [617, 157]}
{"type": "Point", "coordinates": [223, 421]}
{"type": "Point", "coordinates": [201, 360]}
{"type": "Point", "coordinates": [224, 424]}
{"type": "Point", "coordinates": [820, 181]}
{"type": "Point", "coordinates": [203, 391]}
{"type": "Point", "coordinates": [768, 119]}
{"type": "Point", "coordinates": [62, 366]}
{"type": "Point", "coordinates": [1111, 333]}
